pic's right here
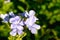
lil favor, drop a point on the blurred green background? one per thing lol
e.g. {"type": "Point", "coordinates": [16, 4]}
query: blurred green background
{"type": "Point", "coordinates": [47, 11]}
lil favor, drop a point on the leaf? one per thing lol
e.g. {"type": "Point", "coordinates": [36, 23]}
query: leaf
{"type": "Point", "coordinates": [6, 7]}
{"type": "Point", "coordinates": [21, 8]}
{"type": "Point", "coordinates": [22, 1]}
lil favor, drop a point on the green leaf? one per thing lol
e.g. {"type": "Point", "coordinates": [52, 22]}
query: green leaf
{"type": "Point", "coordinates": [21, 8]}
{"type": "Point", "coordinates": [22, 1]}
{"type": "Point", "coordinates": [6, 7]}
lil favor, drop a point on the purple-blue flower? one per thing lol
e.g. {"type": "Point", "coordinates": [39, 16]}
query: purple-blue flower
{"type": "Point", "coordinates": [16, 25]}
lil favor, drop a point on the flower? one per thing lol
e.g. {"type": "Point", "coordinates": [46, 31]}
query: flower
{"type": "Point", "coordinates": [16, 25]}
{"type": "Point", "coordinates": [30, 22]}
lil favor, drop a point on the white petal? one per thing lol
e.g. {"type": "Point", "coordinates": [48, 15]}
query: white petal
{"type": "Point", "coordinates": [15, 20]}
{"type": "Point", "coordinates": [12, 20]}
{"type": "Point", "coordinates": [13, 32]}
{"type": "Point", "coordinates": [36, 26]}
{"type": "Point", "coordinates": [33, 31]}
{"type": "Point", "coordinates": [13, 26]}
{"type": "Point", "coordinates": [30, 21]}
{"type": "Point", "coordinates": [31, 13]}
{"type": "Point", "coordinates": [29, 27]}
{"type": "Point", "coordinates": [35, 18]}
{"type": "Point", "coordinates": [27, 22]}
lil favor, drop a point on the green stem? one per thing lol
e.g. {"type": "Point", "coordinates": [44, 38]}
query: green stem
{"type": "Point", "coordinates": [36, 37]}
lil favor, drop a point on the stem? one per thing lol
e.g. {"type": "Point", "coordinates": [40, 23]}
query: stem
{"type": "Point", "coordinates": [36, 37]}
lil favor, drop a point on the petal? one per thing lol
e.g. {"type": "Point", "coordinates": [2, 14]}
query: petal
{"type": "Point", "coordinates": [31, 13]}
{"type": "Point", "coordinates": [33, 31]}
{"type": "Point", "coordinates": [36, 26]}
{"type": "Point", "coordinates": [12, 20]}
{"type": "Point", "coordinates": [19, 27]}
{"type": "Point", "coordinates": [29, 21]}
{"type": "Point", "coordinates": [13, 26]}
{"type": "Point", "coordinates": [29, 27]}
{"type": "Point", "coordinates": [20, 32]}
{"type": "Point", "coordinates": [15, 20]}
{"type": "Point", "coordinates": [33, 19]}
{"type": "Point", "coordinates": [13, 32]}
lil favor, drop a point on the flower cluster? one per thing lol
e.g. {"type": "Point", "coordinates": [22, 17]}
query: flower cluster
{"type": "Point", "coordinates": [18, 23]}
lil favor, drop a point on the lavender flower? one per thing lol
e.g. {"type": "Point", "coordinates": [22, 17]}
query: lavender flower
{"type": "Point", "coordinates": [30, 22]}
{"type": "Point", "coordinates": [16, 26]}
